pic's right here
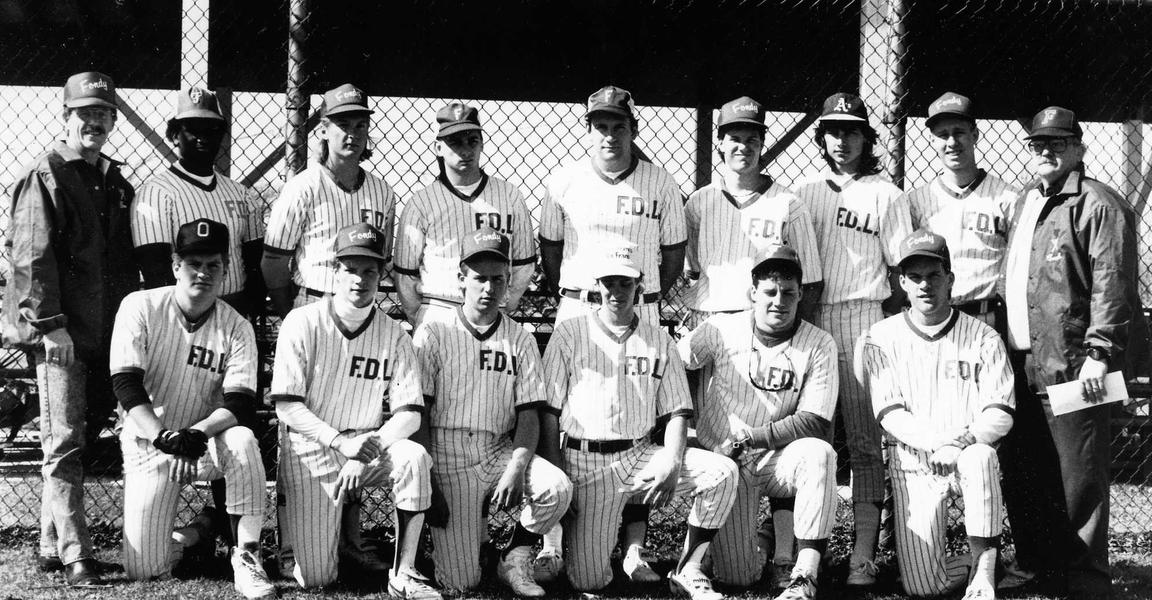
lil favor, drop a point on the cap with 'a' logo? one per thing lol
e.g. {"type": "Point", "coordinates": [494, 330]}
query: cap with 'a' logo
{"type": "Point", "coordinates": [950, 104]}
{"type": "Point", "coordinates": [618, 262]}
{"type": "Point", "coordinates": [197, 103]}
{"type": "Point", "coordinates": [89, 89]}
{"type": "Point", "coordinates": [1055, 121]}
{"type": "Point", "coordinates": [345, 99]}
{"type": "Point", "coordinates": [457, 117]}
{"type": "Point", "coordinates": [781, 256]}
{"type": "Point", "coordinates": [925, 243]}
{"type": "Point", "coordinates": [202, 236]}
{"type": "Point", "coordinates": [844, 107]}
{"type": "Point", "coordinates": [361, 239]}
{"type": "Point", "coordinates": [485, 241]}
{"type": "Point", "coordinates": [611, 99]}
{"type": "Point", "coordinates": [743, 110]}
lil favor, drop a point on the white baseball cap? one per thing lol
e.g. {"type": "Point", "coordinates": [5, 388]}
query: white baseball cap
{"type": "Point", "coordinates": [618, 262]}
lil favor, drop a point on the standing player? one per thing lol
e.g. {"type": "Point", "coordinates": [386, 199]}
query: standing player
{"type": "Point", "coordinates": [184, 370]}
{"type": "Point", "coordinates": [860, 221]}
{"type": "Point", "coordinates": [612, 379]}
{"type": "Point", "coordinates": [347, 387]}
{"type": "Point", "coordinates": [436, 220]}
{"type": "Point", "coordinates": [942, 388]}
{"type": "Point", "coordinates": [192, 189]}
{"type": "Point", "coordinates": [482, 383]}
{"type": "Point", "coordinates": [968, 207]}
{"type": "Point", "coordinates": [768, 404]}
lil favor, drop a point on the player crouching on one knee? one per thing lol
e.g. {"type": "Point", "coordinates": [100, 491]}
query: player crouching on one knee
{"type": "Point", "coordinates": [942, 388]}
{"type": "Point", "coordinates": [612, 378]}
{"type": "Point", "coordinates": [184, 370]}
{"type": "Point", "coordinates": [768, 405]}
{"type": "Point", "coordinates": [346, 384]}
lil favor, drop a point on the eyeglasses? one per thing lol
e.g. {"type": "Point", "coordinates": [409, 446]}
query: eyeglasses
{"type": "Point", "coordinates": [1057, 145]}
{"type": "Point", "coordinates": [770, 372]}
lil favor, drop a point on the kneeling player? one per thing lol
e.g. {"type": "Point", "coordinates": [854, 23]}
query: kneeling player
{"type": "Point", "coordinates": [347, 387]}
{"type": "Point", "coordinates": [184, 370]}
{"type": "Point", "coordinates": [768, 404]}
{"type": "Point", "coordinates": [942, 388]}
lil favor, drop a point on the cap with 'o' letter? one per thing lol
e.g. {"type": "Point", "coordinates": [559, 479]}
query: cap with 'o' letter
{"type": "Point", "coordinates": [360, 239]}
{"type": "Point", "coordinates": [457, 117]}
{"type": "Point", "coordinates": [345, 99]}
{"type": "Point", "coordinates": [89, 89]}
{"type": "Point", "coordinates": [781, 255]}
{"type": "Point", "coordinates": [202, 236]}
{"type": "Point", "coordinates": [950, 104]}
{"type": "Point", "coordinates": [925, 243]}
{"type": "Point", "coordinates": [613, 100]}
{"type": "Point", "coordinates": [197, 103]}
{"type": "Point", "coordinates": [742, 111]}
{"type": "Point", "coordinates": [485, 241]}
{"type": "Point", "coordinates": [1055, 121]}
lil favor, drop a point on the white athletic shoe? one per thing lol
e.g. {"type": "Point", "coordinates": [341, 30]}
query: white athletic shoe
{"type": "Point", "coordinates": [693, 583]}
{"type": "Point", "coordinates": [801, 587]}
{"type": "Point", "coordinates": [408, 584]}
{"type": "Point", "coordinates": [979, 592]}
{"type": "Point", "coordinates": [636, 567]}
{"type": "Point", "coordinates": [515, 571]}
{"type": "Point", "coordinates": [547, 567]}
{"type": "Point", "coordinates": [249, 576]}
{"type": "Point", "coordinates": [862, 573]}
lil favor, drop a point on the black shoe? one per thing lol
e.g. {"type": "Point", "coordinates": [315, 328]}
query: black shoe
{"type": "Point", "coordinates": [82, 572]}
{"type": "Point", "coordinates": [48, 564]}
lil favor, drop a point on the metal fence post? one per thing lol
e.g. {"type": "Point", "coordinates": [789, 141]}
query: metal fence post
{"type": "Point", "coordinates": [703, 146]}
{"type": "Point", "coordinates": [295, 132]}
{"type": "Point", "coordinates": [894, 115]}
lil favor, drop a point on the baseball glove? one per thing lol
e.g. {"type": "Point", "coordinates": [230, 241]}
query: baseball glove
{"type": "Point", "coordinates": [189, 443]}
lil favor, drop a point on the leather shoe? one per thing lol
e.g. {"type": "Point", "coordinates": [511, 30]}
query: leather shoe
{"type": "Point", "coordinates": [48, 564]}
{"type": "Point", "coordinates": [81, 572]}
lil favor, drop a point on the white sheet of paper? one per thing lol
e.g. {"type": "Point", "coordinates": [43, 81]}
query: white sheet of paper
{"type": "Point", "coordinates": [1067, 397]}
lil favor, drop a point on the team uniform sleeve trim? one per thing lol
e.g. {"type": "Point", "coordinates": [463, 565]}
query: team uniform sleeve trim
{"type": "Point", "coordinates": [538, 405]}
{"type": "Point", "coordinates": [552, 243]}
{"type": "Point", "coordinates": [128, 371]}
{"type": "Point", "coordinates": [552, 410]}
{"type": "Point", "coordinates": [429, 399]}
{"type": "Point", "coordinates": [887, 409]}
{"type": "Point", "coordinates": [675, 246]}
{"type": "Point", "coordinates": [1003, 407]}
{"type": "Point", "coordinates": [687, 413]}
{"type": "Point", "coordinates": [240, 390]}
{"type": "Point", "coordinates": [279, 251]}
{"type": "Point", "coordinates": [287, 398]}
{"type": "Point", "coordinates": [528, 260]}
{"type": "Point", "coordinates": [409, 408]}
{"type": "Point", "coordinates": [404, 271]}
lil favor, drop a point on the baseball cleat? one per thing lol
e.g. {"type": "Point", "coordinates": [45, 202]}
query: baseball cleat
{"type": "Point", "coordinates": [694, 584]}
{"type": "Point", "coordinates": [407, 584]}
{"type": "Point", "coordinates": [637, 569]}
{"type": "Point", "coordinates": [782, 574]}
{"type": "Point", "coordinates": [515, 571]}
{"type": "Point", "coordinates": [801, 587]}
{"type": "Point", "coordinates": [357, 560]}
{"type": "Point", "coordinates": [547, 567]}
{"type": "Point", "coordinates": [249, 577]}
{"type": "Point", "coordinates": [979, 592]}
{"type": "Point", "coordinates": [862, 574]}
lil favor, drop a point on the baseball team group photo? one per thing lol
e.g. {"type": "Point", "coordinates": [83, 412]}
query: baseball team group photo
{"type": "Point", "coordinates": [877, 338]}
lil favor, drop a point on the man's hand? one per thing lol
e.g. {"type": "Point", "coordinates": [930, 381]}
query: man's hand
{"type": "Point", "coordinates": [728, 448]}
{"type": "Point", "coordinates": [1091, 377]}
{"type": "Point", "coordinates": [943, 460]}
{"type": "Point", "coordinates": [658, 479]}
{"type": "Point", "coordinates": [58, 348]}
{"type": "Point", "coordinates": [182, 469]}
{"type": "Point", "coordinates": [510, 489]}
{"type": "Point", "coordinates": [187, 443]}
{"type": "Point", "coordinates": [348, 482]}
{"type": "Point", "coordinates": [365, 447]}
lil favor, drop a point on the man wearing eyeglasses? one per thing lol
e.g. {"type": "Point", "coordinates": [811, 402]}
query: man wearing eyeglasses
{"type": "Point", "coordinates": [768, 403]}
{"type": "Point", "coordinates": [1073, 315]}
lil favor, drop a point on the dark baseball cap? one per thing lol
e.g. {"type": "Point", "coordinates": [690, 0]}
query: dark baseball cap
{"type": "Point", "coordinates": [611, 99]}
{"type": "Point", "coordinates": [202, 236]}
{"type": "Point", "coordinates": [742, 111]}
{"type": "Point", "coordinates": [457, 117]}
{"type": "Point", "coordinates": [950, 104]}
{"type": "Point", "coordinates": [345, 99]}
{"type": "Point", "coordinates": [925, 243]}
{"type": "Point", "coordinates": [781, 255]}
{"type": "Point", "coordinates": [1057, 122]}
{"type": "Point", "coordinates": [89, 89]}
{"type": "Point", "coordinates": [485, 241]}
{"type": "Point", "coordinates": [197, 103]}
{"type": "Point", "coordinates": [361, 239]}
{"type": "Point", "coordinates": [843, 106]}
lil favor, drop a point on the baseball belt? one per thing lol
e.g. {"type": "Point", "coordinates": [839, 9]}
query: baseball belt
{"type": "Point", "coordinates": [598, 446]}
{"type": "Point", "coordinates": [979, 307]}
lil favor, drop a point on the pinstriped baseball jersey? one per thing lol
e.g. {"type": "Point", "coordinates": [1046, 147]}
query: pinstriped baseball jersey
{"type": "Point", "coordinates": [349, 379]}
{"type": "Point", "coordinates": [187, 367]}
{"type": "Point", "coordinates": [591, 213]}
{"type": "Point", "coordinates": [725, 236]}
{"type": "Point", "coordinates": [479, 380]}
{"type": "Point", "coordinates": [946, 379]}
{"type": "Point", "coordinates": [756, 383]}
{"type": "Point", "coordinates": [437, 217]}
{"type": "Point", "coordinates": [975, 224]}
{"type": "Point", "coordinates": [171, 198]}
{"type": "Point", "coordinates": [859, 228]}
{"type": "Point", "coordinates": [311, 208]}
{"type": "Point", "coordinates": [609, 387]}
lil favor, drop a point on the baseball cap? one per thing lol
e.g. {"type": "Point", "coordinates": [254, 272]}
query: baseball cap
{"type": "Point", "coordinates": [783, 255]}
{"type": "Point", "coordinates": [344, 99]}
{"type": "Point", "coordinates": [197, 103]}
{"type": "Point", "coordinates": [743, 110]}
{"type": "Point", "coordinates": [89, 89]}
{"type": "Point", "coordinates": [1055, 121]}
{"type": "Point", "coordinates": [360, 239]}
{"type": "Point", "coordinates": [843, 106]}
{"type": "Point", "coordinates": [611, 99]}
{"type": "Point", "coordinates": [925, 243]}
{"type": "Point", "coordinates": [950, 104]}
{"type": "Point", "coordinates": [617, 262]}
{"type": "Point", "coordinates": [202, 236]}
{"type": "Point", "coordinates": [457, 117]}
{"type": "Point", "coordinates": [485, 241]}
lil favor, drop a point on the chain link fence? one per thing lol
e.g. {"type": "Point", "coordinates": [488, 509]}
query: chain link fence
{"type": "Point", "coordinates": [526, 140]}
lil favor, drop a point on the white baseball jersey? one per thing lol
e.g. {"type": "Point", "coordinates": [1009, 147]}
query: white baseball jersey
{"type": "Point", "coordinates": [975, 223]}
{"type": "Point", "coordinates": [859, 228]}
{"type": "Point", "coordinates": [437, 217]}
{"type": "Point", "coordinates": [478, 381]}
{"type": "Point", "coordinates": [755, 383]}
{"type": "Point", "coordinates": [187, 367]}
{"type": "Point", "coordinates": [171, 198]}
{"type": "Point", "coordinates": [609, 387]}
{"type": "Point", "coordinates": [311, 208]}
{"type": "Point", "coordinates": [725, 235]}
{"type": "Point", "coordinates": [593, 214]}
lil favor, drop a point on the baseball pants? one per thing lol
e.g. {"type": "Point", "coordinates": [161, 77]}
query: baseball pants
{"type": "Point", "coordinates": [150, 498]}
{"type": "Point", "coordinates": [310, 470]}
{"type": "Point", "coordinates": [847, 322]}
{"type": "Point", "coordinates": [600, 484]}
{"type": "Point", "coordinates": [468, 464]}
{"type": "Point", "coordinates": [921, 500]}
{"type": "Point", "coordinates": [571, 308]}
{"type": "Point", "coordinates": [806, 469]}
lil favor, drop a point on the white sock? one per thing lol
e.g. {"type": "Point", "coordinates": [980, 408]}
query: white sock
{"type": "Point", "coordinates": [248, 530]}
{"type": "Point", "coordinates": [808, 559]}
{"type": "Point", "coordinates": [554, 540]}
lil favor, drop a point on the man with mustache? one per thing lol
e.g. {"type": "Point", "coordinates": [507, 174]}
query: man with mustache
{"type": "Point", "coordinates": [72, 264]}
